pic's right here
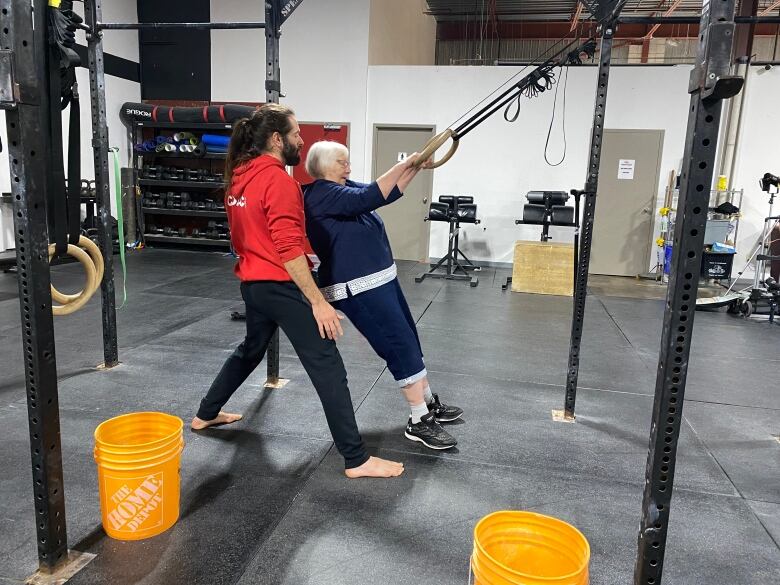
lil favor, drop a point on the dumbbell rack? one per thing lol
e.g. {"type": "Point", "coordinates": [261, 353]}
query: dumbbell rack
{"type": "Point", "coordinates": [162, 224]}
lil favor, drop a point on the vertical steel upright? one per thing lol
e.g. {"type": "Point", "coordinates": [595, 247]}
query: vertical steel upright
{"type": "Point", "coordinates": [97, 92]}
{"type": "Point", "coordinates": [24, 43]}
{"type": "Point", "coordinates": [588, 217]}
{"type": "Point", "coordinates": [272, 90]}
{"type": "Point", "coordinates": [710, 84]}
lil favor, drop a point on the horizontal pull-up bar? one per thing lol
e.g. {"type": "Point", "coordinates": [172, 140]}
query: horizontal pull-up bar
{"type": "Point", "coordinates": [694, 20]}
{"type": "Point", "coordinates": [179, 25]}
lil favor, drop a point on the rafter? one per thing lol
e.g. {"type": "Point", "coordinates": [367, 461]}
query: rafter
{"type": "Point", "coordinates": [669, 12]}
{"type": "Point", "coordinates": [770, 8]}
{"type": "Point", "coordinates": [576, 18]}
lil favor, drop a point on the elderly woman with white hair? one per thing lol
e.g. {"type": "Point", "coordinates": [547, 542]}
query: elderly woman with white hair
{"type": "Point", "coordinates": [358, 276]}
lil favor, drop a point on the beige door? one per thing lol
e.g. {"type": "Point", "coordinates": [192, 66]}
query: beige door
{"type": "Point", "coordinates": [404, 219]}
{"type": "Point", "coordinates": [625, 204]}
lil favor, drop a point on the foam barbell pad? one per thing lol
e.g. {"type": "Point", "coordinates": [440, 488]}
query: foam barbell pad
{"type": "Point", "coordinates": [137, 112]}
{"type": "Point", "coordinates": [533, 213]}
{"type": "Point", "coordinates": [562, 215]}
{"type": "Point", "coordinates": [439, 212]}
{"type": "Point", "coordinates": [555, 197]}
{"type": "Point", "coordinates": [467, 213]}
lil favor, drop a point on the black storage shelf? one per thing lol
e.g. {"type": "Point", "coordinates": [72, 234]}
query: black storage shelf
{"type": "Point", "coordinates": [183, 155]}
{"type": "Point", "coordinates": [186, 125]}
{"type": "Point", "coordinates": [182, 184]}
{"type": "Point", "coordinates": [185, 212]}
{"type": "Point", "coordinates": [211, 163]}
{"type": "Point", "coordinates": [186, 241]}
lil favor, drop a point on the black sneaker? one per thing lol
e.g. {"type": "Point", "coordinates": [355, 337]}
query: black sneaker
{"type": "Point", "coordinates": [429, 433]}
{"type": "Point", "coordinates": [442, 412]}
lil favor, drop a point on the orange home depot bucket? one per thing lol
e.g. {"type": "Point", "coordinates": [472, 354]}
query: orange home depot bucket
{"type": "Point", "coordinates": [138, 457]}
{"type": "Point", "coordinates": [525, 548]}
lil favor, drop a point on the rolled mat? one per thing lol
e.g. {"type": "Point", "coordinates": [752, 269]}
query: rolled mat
{"type": "Point", "coordinates": [216, 149]}
{"type": "Point", "coordinates": [184, 137]}
{"type": "Point", "coordinates": [200, 150]}
{"type": "Point", "coordinates": [147, 146]}
{"type": "Point", "coordinates": [136, 112]}
{"type": "Point", "coordinates": [216, 140]}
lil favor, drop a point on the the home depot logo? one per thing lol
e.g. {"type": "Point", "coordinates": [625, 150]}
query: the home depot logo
{"type": "Point", "coordinates": [139, 506]}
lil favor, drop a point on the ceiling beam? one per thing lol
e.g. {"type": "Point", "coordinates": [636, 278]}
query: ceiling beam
{"type": "Point", "coordinates": [576, 18]}
{"type": "Point", "coordinates": [770, 8]}
{"type": "Point", "coordinates": [669, 12]}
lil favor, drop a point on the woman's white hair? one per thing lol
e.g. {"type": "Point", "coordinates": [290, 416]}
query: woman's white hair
{"type": "Point", "coordinates": [322, 155]}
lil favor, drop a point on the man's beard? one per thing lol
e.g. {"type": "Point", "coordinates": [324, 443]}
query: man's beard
{"type": "Point", "coordinates": [290, 153]}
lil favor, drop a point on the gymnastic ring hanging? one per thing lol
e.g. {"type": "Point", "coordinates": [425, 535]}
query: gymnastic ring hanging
{"type": "Point", "coordinates": [92, 281]}
{"type": "Point", "coordinates": [97, 258]}
{"type": "Point", "coordinates": [434, 144]}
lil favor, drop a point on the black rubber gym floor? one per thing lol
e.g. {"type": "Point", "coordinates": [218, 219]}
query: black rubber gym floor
{"type": "Point", "coordinates": [265, 501]}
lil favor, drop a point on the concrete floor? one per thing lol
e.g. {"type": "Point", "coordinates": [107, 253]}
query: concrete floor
{"type": "Point", "coordinates": [265, 501]}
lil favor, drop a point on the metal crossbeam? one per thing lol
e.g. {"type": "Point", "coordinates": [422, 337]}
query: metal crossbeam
{"type": "Point", "coordinates": [178, 25]}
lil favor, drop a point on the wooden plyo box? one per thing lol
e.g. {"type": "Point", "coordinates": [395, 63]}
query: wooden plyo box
{"type": "Point", "coordinates": [545, 268]}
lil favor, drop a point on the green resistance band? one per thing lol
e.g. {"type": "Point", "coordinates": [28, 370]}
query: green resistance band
{"type": "Point", "coordinates": [120, 220]}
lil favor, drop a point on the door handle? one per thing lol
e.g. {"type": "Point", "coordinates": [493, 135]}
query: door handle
{"type": "Point", "coordinates": [425, 200]}
{"type": "Point", "coordinates": [646, 210]}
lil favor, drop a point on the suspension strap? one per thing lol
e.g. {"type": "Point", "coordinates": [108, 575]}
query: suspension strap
{"type": "Point", "coordinates": [74, 169]}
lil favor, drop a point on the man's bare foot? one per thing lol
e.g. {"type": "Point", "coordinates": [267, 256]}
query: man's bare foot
{"type": "Point", "coordinates": [223, 418]}
{"type": "Point", "coordinates": [376, 467]}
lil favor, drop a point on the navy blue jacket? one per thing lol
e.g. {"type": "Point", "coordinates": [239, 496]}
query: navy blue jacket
{"type": "Point", "coordinates": [345, 232]}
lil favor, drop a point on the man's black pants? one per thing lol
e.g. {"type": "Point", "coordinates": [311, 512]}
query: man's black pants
{"type": "Point", "coordinates": [269, 305]}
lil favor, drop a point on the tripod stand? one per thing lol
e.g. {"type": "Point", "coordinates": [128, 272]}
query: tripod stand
{"type": "Point", "coordinates": [764, 291]}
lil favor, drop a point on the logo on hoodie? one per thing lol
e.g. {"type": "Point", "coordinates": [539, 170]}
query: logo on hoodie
{"type": "Point", "coordinates": [236, 202]}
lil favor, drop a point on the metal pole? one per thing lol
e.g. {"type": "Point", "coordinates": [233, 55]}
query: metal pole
{"type": "Point", "coordinates": [272, 73]}
{"type": "Point", "coordinates": [272, 91]}
{"type": "Point", "coordinates": [97, 90]}
{"type": "Point", "coordinates": [29, 158]}
{"type": "Point", "coordinates": [694, 20]}
{"type": "Point", "coordinates": [586, 231]}
{"type": "Point", "coordinates": [710, 85]}
{"type": "Point", "coordinates": [177, 25]}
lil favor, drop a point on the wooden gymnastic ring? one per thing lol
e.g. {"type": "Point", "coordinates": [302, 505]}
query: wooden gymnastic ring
{"type": "Point", "coordinates": [89, 289]}
{"type": "Point", "coordinates": [433, 145]}
{"type": "Point", "coordinates": [97, 258]}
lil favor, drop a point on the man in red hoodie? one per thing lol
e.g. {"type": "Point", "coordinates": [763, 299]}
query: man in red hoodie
{"type": "Point", "coordinates": [265, 210]}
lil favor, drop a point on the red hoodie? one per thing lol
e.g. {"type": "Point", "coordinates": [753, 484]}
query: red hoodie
{"type": "Point", "coordinates": [265, 212]}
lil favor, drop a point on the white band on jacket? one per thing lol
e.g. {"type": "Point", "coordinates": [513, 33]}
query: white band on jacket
{"type": "Point", "coordinates": [337, 292]}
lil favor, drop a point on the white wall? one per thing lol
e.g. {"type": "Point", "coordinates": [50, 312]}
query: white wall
{"type": "Point", "coordinates": [323, 61]}
{"type": "Point", "coordinates": [499, 162]}
{"type": "Point", "coordinates": [120, 43]}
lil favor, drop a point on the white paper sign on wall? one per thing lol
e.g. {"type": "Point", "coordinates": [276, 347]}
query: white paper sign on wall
{"type": "Point", "coordinates": [402, 156]}
{"type": "Point", "coordinates": [626, 169]}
